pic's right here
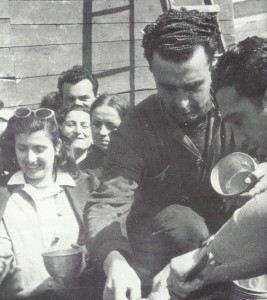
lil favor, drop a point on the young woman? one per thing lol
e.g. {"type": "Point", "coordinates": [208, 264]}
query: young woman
{"type": "Point", "coordinates": [74, 123]}
{"type": "Point", "coordinates": [47, 194]}
{"type": "Point", "coordinates": [107, 112]}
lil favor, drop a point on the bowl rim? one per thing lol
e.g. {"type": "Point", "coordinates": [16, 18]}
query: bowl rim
{"type": "Point", "coordinates": [56, 253]}
{"type": "Point", "coordinates": [215, 167]}
{"type": "Point", "coordinates": [236, 282]}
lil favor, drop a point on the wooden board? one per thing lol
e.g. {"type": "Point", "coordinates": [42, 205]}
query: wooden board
{"type": "Point", "coordinates": [4, 9]}
{"type": "Point", "coordinates": [4, 32]}
{"type": "Point", "coordinates": [52, 60]}
{"type": "Point", "coordinates": [79, 11]}
{"type": "Point", "coordinates": [6, 63]}
{"type": "Point", "coordinates": [41, 35]}
{"type": "Point", "coordinates": [8, 92]}
{"type": "Point", "coordinates": [248, 8]}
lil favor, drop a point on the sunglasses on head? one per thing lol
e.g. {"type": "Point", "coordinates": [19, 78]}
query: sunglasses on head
{"type": "Point", "coordinates": [40, 113]}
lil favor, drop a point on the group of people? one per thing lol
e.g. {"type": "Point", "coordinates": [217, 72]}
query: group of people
{"type": "Point", "coordinates": [133, 186]}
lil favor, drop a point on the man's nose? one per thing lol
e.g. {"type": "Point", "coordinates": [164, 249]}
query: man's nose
{"type": "Point", "coordinates": [103, 130]}
{"type": "Point", "coordinates": [31, 157]}
{"type": "Point", "coordinates": [182, 99]}
{"type": "Point", "coordinates": [78, 129]}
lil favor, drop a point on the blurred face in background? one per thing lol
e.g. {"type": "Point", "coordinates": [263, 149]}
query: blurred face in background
{"type": "Point", "coordinates": [104, 119]}
{"type": "Point", "coordinates": [76, 127]}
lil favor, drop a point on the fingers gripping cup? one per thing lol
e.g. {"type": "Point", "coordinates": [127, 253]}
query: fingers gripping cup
{"type": "Point", "coordinates": [229, 174]}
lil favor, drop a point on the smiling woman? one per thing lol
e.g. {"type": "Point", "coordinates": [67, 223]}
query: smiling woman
{"type": "Point", "coordinates": [74, 123]}
{"type": "Point", "coordinates": [47, 194]}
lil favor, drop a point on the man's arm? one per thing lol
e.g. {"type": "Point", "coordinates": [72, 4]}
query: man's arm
{"type": "Point", "coordinates": [238, 251]}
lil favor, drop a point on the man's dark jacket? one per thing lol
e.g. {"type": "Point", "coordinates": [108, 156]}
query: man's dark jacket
{"type": "Point", "coordinates": [150, 165]}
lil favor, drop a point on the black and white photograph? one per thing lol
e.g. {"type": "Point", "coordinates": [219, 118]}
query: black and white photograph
{"type": "Point", "coordinates": [133, 149]}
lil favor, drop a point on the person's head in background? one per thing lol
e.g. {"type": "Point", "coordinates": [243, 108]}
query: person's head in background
{"type": "Point", "coordinates": [179, 48]}
{"type": "Point", "coordinates": [240, 84]}
{"type": "Point", "coordinates": [5, 115]}
{"type": "Point", "coordinates": [107, 112]}
{"type": "Point", "coordinates": [77, 86]}
{"type": "Point", "coordinates": [74, 123]}
{"type": "Point", "coordinates": [51, 101]}
{"type": "Point", "coordinates": [31, 143]}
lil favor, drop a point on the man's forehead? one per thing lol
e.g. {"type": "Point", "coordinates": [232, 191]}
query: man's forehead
{"type": "Point", "coordinates": [82, 84]}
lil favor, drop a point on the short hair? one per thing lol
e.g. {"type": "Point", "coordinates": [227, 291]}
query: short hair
{"type": "Point", "coordinates": [64, 160]}
{"type": "Point", "coordinates": [243, 66]}
{"type": "Point", "coordinates": [75, 75]}
{"type": "Point", "coordinates": [176, 35]}
{"type": "Point", "coordinates": [121, 105]}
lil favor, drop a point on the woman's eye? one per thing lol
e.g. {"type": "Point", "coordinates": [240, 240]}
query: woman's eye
{"type": "Point", "coordinates": [96, 125]}
{"type": "Point", "coordinates": [22, 149]}
{"type": "Point", "coordinates": [40, 149]}
{"type": "Point", "coordinates": [69, 124]}
{"type": "Point", "coordinates": [111, 126]}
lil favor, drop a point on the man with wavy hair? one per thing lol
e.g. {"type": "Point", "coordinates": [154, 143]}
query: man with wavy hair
{"type": "Point", "coordinates": [239, 249]}
{"type": "Point", "coordinates": [77, 86]}
{"type": "Point", "coordinates": [159, 160]}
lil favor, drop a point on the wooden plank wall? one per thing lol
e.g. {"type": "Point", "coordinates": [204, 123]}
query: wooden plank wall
{"type": "Point", "coordinates": [41, 38]}
{"type": "Point", "coordinates": [250, 18]}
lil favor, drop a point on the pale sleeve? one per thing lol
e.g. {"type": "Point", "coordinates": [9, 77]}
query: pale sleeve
{"type": "Point", "coordinates": [245, 234]}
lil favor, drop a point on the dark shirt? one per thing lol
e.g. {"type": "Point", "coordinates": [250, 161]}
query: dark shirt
{"type": "Point", "coordinates": [151, 163]}
{"type": "Point", "coordinates": [93, 162]}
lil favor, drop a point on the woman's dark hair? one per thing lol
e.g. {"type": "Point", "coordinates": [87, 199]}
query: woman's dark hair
{"type": "Point", "coordinates": [27, 125]}
{"type": "Point", "coordinates": [176, 34]}
{"type": "Point", "coordinates": [121, 105]}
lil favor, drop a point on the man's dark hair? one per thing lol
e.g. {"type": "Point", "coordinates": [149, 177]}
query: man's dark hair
{"type": "Point", "coordinates": [243, 66]}
{"type": "Point", "coordinates": [176, 34]}
{"type": "Point", "coordinates": [75, 75]}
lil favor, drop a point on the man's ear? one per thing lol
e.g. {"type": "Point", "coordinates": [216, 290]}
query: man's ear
{"type": "Point", "coordinates": [264, 100]}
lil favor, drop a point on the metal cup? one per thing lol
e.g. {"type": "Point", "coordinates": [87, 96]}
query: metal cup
{"type": "Point", "coordinates": [229, 174]}
{"type": "Point", "coordinates": [64, 263]}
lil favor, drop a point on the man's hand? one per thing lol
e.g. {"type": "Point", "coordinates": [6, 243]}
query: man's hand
{"type": "Point", "coordinates": [160, 286]}
{"type": "Point", "coordinates": [260, 177]}
{"type": "Point", "coordinates": [180, 267]}
{"type": "Point", "coordinates": [122, 280]}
